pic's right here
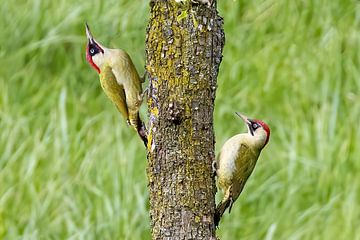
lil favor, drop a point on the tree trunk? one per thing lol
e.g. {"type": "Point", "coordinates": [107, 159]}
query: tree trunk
{"type": "Point", "coordinates": [183, 52]}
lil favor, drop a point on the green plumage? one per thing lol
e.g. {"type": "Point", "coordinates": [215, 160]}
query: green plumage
{"type": "Point", "coordinates": [119, 80]}
{"type": "Point", "coordinates": [114, 90]}
{"type": "Point", "coordinates": [244, 165]}
{"type": "Point", "coordinates": [235, 165]}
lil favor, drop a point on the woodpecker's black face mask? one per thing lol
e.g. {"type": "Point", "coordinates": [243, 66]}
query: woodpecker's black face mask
{"type": "Point", "coordinates": [94, 49]}
{"type": "Point", "coordinates": [252, 126]}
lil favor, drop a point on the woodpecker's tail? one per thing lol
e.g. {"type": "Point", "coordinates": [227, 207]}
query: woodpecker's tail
{"type": "Point", "coordinates": [139, 126]}
{"type": "Point", "coordinates": [141, 129]}
{"type": "Point", "coordinates": [220, 209]}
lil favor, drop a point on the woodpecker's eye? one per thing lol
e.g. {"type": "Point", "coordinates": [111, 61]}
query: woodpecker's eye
{"type": "Point", "coordinates": [93, 50]}
{"type": "Point", "coordinates": [255, 126]}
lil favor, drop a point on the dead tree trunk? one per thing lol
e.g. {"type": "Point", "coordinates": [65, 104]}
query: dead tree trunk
{"type": "Point", "coordinates": [183, 52]}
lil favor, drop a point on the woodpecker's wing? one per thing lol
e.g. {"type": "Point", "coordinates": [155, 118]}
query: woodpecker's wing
{"type": "Point", "coordinates": [127, 71]}
{"type": "Point", "coordinates": [244, 164]}
{"type": "Point", "coordinates": [113, 90]}
{"type": "Point", "coordinates": [134, 75]}
{"type": "Point", "coordinates": [121, 105]}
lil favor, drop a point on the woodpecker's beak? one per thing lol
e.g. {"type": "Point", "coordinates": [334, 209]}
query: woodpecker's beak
{"type": "Point", "coordinates": [247, 122]}
{"type": "Point", "coordinates": [88, 34]}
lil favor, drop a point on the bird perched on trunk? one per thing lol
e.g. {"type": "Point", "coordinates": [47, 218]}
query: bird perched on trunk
{"type": "Point", "coordinates": [119, 80]}
{"type": "Point", "coordinates": [237, 160]}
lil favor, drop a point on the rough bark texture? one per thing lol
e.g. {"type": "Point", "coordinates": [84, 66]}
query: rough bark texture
{"type": "Point", "coordinates": [183, 50]}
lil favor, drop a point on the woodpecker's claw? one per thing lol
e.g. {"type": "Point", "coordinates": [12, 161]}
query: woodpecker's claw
{"type": "Point", "coordinates": [214, 168]}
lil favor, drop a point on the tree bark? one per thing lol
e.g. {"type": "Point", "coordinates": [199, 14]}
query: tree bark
{"type": "Point", "coordinates": [183, 52]}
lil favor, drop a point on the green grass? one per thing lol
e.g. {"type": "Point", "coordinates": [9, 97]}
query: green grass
{"type": "Point", "coordinates": [70, 169]}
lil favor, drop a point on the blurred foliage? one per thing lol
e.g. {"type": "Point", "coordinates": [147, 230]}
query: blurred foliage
{"type": "Point", "coordinates": [71, 169]}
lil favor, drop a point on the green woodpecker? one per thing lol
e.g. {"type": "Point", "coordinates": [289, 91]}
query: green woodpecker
{"type": "Point", "coordinates": [119, 80]}
{"type": "Point", "coordinates": [237, 160]}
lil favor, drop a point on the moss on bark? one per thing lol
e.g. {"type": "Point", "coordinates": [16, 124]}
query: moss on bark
{"type": "Point", "coordinates": [183, 50]}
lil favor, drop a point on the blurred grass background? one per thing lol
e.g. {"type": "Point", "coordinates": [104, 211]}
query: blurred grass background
{"type": "Point", "coordinates": [70, 169]}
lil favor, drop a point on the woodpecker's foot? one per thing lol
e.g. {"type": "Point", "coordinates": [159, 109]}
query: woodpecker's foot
{"type": "Point", "coordinates": [214, 168]}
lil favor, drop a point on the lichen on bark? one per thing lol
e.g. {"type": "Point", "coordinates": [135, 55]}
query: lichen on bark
{"type": "Point", "coordinates": [183, 52]}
